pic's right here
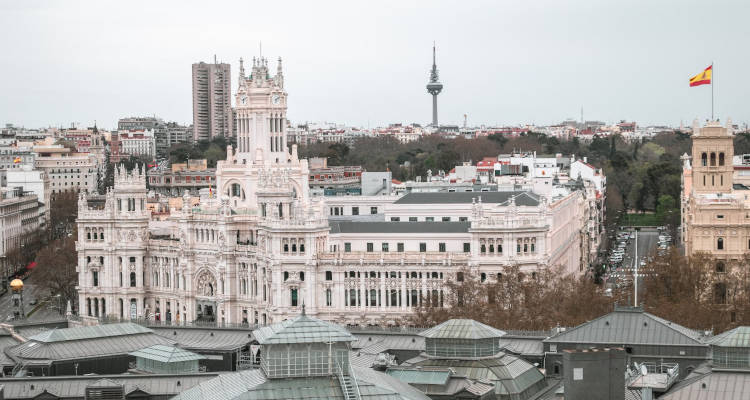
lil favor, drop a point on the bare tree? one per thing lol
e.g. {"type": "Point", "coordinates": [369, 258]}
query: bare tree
{"type": "Point", "coordinates": [56, 268]}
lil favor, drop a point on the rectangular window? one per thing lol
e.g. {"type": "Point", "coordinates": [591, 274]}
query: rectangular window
{"type": "Point", "coordinates": [355, 210]}
{"type": "Point", "coordinates": [384, 247]}
{"type": "Point", "coordinates": [423, 247]}
{"type": "Point", "coordinates": [370, 247]}
{"type": "Point", "coordinates": [467, 247]}
{"type": "Point", "coordinates": [412, 219]}
{"type": "Point", "coordinates": [347, 247]}
{"type": "Point", "coordinates": [463, 219]}
{"type": "Point", "coordinates": [395, 219]}
{"type": "Point", "coordinates": [400, 247]}
{"type": "Point", "coordinates": [373, 210]}
{"type": "Point", "coordinates": [430, 219]}
{"type": "Point", "coordinates": [329, 275]}
{"type": "Point", "coordinates": [720, 216]}
{"type": "Point", "coordinates": [446, 219]}
{"type": "Point", "coordinates": [441, 247]}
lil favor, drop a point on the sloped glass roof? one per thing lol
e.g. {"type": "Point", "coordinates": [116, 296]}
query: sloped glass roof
{"type": "Point", "coordinates": [737, 337]}
{"type": "Point", "coordinates": [302, 329]}
{"type": "Point", "coordinates": [166, 354]}
{"type": "Point", "coordinates": [462, 329]}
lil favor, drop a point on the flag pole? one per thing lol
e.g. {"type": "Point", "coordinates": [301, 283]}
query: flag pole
{"type": "Point", "coordinates": [713, 76]}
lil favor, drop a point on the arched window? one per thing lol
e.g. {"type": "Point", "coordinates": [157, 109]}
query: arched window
{"type": "Point", "coordinates": [713, 159]}
{"type": "Point", "coordinates": [721, 159]}
{"type": "Point", "coordinates": [294, 297]}
{"type": "Point", "coordinates": [704, 159]}
{"type": "Point", "coordinates": [720, 244]}
{"type": "Point", "coordinates": [132, 279]}
{"type": "Point", "coordinates": [483, 248]}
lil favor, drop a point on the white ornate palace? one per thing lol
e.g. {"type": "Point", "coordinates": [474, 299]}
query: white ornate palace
{"type": "Point", "coordinates": [260, 247]}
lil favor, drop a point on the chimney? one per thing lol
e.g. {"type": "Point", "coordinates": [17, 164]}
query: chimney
{"type": "Point", "coordinates": [594, 374]}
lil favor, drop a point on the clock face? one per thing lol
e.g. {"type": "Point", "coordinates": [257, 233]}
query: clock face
{"type": "Point", "coordinates": [276, 99]}
{"type": "Point", "coordinates": [243, 99]}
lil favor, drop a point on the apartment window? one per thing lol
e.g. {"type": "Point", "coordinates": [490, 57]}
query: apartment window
{"type": "Point", "coordinates": [467, 247]}
{"type": "Point", "coordinates": [370, 247]}
{"type": "Point", "coordinates": [395, 219]}
{"type": "Point", "coordinates": [430, 219]}
{"type": "Point", "coordinates": [720, 267]}
{"type": "Point", "coordinates": [384, 247]}
{"type": "Point", "coordinates": [441, 247]}
{"type": "Point", "coordinates": [329, 275]}
{"type": "Point", "coordinates": [412, 219]}
{"type": "Point", "coordinates": [355, 210]}
{"type": "Point", "coordinates": [720, 244]}
{"type": "Point", "coordinates": [446, 219]}
{"type": "Point", "coordinates": [373, 210]}
{"type": "Point", "coordinates": [400, 247]}
{"type": "Point", "coordinates": [347, 247]}
{"type": "Point", "coordinates": [423, 247]}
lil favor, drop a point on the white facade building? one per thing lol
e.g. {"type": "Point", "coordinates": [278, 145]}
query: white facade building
{"type": "Point", "coordinates": [259, 247]}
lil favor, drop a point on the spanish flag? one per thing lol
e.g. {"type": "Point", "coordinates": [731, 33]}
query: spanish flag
{"type": "Point", "coordinates": [16, 160]}
{"type": "Point", "coordinates": [704, 78]}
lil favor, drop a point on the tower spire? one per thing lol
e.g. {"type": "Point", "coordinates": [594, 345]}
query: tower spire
{"type": "Point", "coordinates": [242, 70]}
{"type": "Point", "coordinates": [434, 87]}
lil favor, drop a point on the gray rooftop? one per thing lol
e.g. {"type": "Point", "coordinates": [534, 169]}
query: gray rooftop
{"type": "Point", "coordinates": [398, 227]}
{"type": "Point", "coordinates": [711, 385]}
{"type": "Point", "coordinates": [462, 329]}
{"type": "Point", "coordinates": [89, 332]}
{"type": "Point", "coordinates": [521, 198]}
{"type": "Point", "coordinates": [207, 339]}
{"type": "Point", "coordinates": [166, 354]}
{"type": "Point", "coordinates": [74, 387]}
{"type": "Point", "coordinates": [76, 346]}
{"type": "Point", "coordinates": [252, 384]}
{"type": "Point", "coordinates": [302, 329]}
{"type": "Point", "coordinates": [629, 325]}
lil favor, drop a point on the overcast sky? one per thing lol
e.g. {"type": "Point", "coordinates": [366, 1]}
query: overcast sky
{"type": "Point", "coordinates": [367, 63]}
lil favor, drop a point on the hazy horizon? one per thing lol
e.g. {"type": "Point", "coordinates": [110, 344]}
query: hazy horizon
{"type": "Point", "coordinates": [367, 64]}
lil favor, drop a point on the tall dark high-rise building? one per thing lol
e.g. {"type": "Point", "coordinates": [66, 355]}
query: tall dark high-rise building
{"type": "Point", "coordinates": [434, 87]}
{"type": "Point", "coordinates": [212, 104]}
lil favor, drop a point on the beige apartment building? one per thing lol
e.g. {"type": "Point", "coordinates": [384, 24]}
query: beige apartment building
{"type": "Point", "coordinates": [212, 104]}
{"type": "Point", "coordinates": [715, 203]}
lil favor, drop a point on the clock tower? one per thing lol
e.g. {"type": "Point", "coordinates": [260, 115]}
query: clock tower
{"type": "Point", "coordinates": [261, 114]}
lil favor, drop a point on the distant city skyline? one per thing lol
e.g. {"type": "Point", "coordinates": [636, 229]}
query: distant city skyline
{"type": "Point", "coordinates": [365, 64]}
